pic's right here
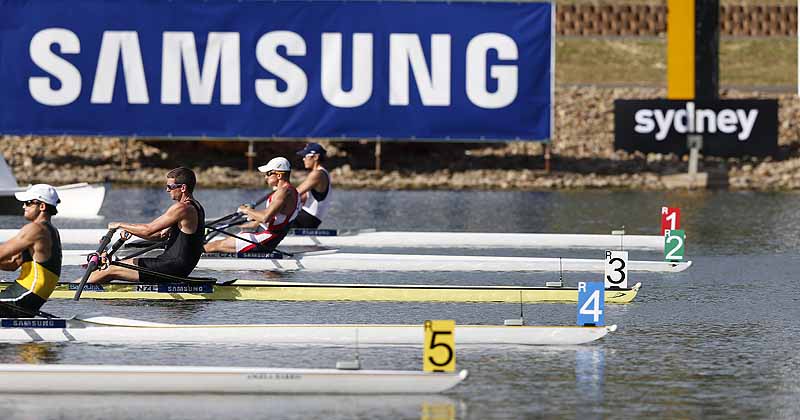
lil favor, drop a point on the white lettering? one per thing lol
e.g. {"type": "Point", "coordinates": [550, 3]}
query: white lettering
{"type": "Point", "coordinates": [506, 75]}
{"type": "Point", "coordinates": [644, 121]}
{"type": "Point", "coordinates": [706, 116]}
{"type": "Point", "coordinates": [67, 74]}
{"type": "Point", "coordinates": [114, 45]}
{"type": "Point", "coordinates": [222, 52]}
{"type": "Point", "coordinates": [747, 120]}
{"type": "Point", "coordinates": [726, 121]}
{"type": "Point", "coordinates": [679, 122]}
{"type": "Point", "coordinates": [434, 87]}
{"type": "Point", "coordinates": [664, 122]}
{"type": "Point", "coordinates": [331, 78]}
{"type": "Point", "coordinates": [268, 57]}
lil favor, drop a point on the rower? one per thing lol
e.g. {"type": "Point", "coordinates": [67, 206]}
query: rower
{"type": "Point", "coordinates": [283, 206]}
{"type": "Point", "coordinates": [36, 248]}
{"type": "Point", "coordinates": [181, 225]}
{"type": "Point", "coordinates": [316, 190]}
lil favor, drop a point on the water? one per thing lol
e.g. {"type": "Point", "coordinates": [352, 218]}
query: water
{"type": "Point", "coordinates": [718, 340]}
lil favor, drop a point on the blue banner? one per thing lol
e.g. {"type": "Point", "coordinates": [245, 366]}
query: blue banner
{"type": "Point", "coordinates": [258, 69]}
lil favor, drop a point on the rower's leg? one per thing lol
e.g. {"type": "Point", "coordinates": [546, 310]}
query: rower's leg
{"type": "Point", "coordinates": [225, 245]}
{"type": "Point", "coordinates": [114, 273]}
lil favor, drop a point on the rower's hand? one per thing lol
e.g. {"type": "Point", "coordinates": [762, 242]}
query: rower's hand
{"type": "Point", "coordinates": [125, 235]}
{"type": "Point", "coordinates": [114, 225]}
{"type": "Point", "coordinates": [243, 209]}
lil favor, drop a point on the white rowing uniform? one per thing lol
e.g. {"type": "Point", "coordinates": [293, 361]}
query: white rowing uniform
{"type": "Point", "coordinates": [272, 233]}
{"type": "Point", "coordinates": [318, 203]}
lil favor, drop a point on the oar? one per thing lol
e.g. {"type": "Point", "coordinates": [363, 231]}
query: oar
{"type": "Point", "coordinates": [235, 214]}
{"type": "Point", "coordinates": [144, 250]}
{"type": "Point", "coordinates": [94, 261]}
{"type": "Point", "coordinates": [233, 235]}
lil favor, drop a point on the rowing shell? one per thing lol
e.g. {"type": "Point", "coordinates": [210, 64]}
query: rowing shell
{"type": "Point", "coordinates": [228, 380]}
{"type": "Point", "coordinates": [375, 240]}
{"type": "Point", "coordinates": [122, 330]}
{"type": "Point", "coordinates": [409, 262]}
{"type": "Point", "coordinates": [289, 291]}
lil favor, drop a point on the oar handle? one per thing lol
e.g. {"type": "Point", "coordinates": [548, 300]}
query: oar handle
{"type": "Point", "coordinates": [94, 261]}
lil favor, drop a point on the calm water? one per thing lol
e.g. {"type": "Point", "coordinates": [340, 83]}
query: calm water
{"type": "Point", "coordinates": [719, 340]}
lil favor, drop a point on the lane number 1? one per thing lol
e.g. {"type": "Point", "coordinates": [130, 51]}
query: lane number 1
{"type": "Point", "coordinates": [439, 348]}
{"type": "Point", "coordinates": [670, 219]}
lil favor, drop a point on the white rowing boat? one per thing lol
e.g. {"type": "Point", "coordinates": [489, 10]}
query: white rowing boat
{"type": "Point", "coordinates": [79, 200]}
{"type": "Point", "coordinates": [122, 330]}
{"type": "Point", "coordinates": [25, 378]}
{"type": "Point", "coordinates": [377, 240]}
{"type": "Point", "coordinates": [407, 262]}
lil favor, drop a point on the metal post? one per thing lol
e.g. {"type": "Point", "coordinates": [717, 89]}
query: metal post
{"type": "Point", "coordinates": [547, 158]}
{"type": "Point", "coordinates": [695, 143]}
{"type": "Point", "coordinates": [250, 155]}
{"type": "Point", "coordinates": [378, 155]}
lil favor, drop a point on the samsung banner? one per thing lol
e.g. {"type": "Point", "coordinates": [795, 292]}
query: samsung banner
{"type": "Point", "coordinates": [264, 69]}
{"type": "Point", "coordinates": [734, 127]}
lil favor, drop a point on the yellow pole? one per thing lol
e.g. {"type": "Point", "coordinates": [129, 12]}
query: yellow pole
{"type": "Point", "coordinates": [680, 49]}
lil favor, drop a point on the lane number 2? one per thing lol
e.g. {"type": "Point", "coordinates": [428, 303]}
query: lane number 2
{"type": "Point", "coordinates": [674, 245]}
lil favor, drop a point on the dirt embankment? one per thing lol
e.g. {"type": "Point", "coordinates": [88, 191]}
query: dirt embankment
{"type": "Point", "coordinates": [583, 156]}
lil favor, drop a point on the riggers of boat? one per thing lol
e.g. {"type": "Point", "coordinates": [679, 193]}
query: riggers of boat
{"type": "Point", "coordinates": [381, 239]}
{"type": "Point", "coordinates": [290, 291]}
{"type": "Point", "coordinates": [228, 380]}
{"type": "Point", "coordinates": [109, 330]}
{"type": "Point", "coordinates": [339, 261]}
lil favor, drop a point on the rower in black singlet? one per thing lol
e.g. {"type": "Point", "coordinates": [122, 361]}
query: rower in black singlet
{"type": "Point", "coordinates": [36, 281]}
{"type": "Point", "coordinates": [182, 251]}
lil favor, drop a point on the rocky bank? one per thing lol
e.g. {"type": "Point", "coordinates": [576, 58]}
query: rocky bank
{"type": "Point", "coordinates": [582, 156]}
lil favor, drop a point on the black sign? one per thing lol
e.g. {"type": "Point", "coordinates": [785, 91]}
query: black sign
{"type": "Point", "coordinates": [733, 127]}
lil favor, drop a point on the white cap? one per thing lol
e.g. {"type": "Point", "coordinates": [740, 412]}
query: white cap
{"type": "Point", "coordinates": [279, 164]}
{"type": "Point", "coordinates": [42, 192]}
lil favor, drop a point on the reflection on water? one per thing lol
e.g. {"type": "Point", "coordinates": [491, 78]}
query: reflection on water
{"type": "Point", "coordinates": [589, 380]}
{"type": "Point", "coordinates": [217, 406]}
{"type": "Point", "coordinates": [719, 340]}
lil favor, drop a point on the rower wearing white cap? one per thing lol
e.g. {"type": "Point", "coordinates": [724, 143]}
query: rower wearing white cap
{"type": "Point", "coordinates": [283, 206]}
{"type": "Point", "coordinates": [36, 249]}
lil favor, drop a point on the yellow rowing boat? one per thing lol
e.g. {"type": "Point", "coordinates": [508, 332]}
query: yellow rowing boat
{"type": "Point", "coordinates": [288, 291]}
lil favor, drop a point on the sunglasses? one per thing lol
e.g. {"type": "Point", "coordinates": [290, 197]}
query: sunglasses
{"type": "Point", "coordinates": [171, 187]}
{"type": "Point", "coordinates": [31, 203]}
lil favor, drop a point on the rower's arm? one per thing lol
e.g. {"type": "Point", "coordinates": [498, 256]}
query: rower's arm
{"type": "Point", "coordinates": [264, 216]}
{"type": "Point", "coordinates": [10, 249]}
{"type": "Point", "coordinates": [154, 229]}
{"type": "Point", "coordinates": [314, 179]}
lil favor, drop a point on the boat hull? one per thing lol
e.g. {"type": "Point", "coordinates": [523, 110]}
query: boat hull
{"type": "Point", "coordinates": [378, 240]}
{"type": "Point", "coordinates": [108, 330]}
{"type": "Point", "coordinates": [409, 262]}
{"type": "Point", "coordinates": [79, 201]}
{"type": "Point", "coordinates": [286, 291]}
{"type": "Point", "coordinates": [226, 380]}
